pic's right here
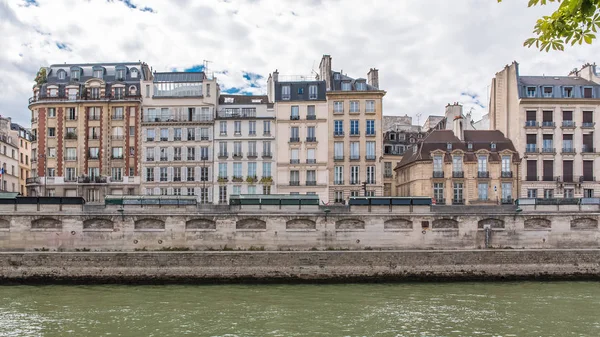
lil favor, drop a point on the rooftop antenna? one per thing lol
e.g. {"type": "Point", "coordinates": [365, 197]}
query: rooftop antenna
{"type": "Point", "coordinates": [418, 118]}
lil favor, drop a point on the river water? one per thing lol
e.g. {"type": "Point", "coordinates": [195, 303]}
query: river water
{"type": "Point", "coordinates": [559, 309]}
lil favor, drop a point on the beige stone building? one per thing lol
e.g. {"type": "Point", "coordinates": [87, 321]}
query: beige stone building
{"type": "Point", "coordinates": [355, 133]}
{"type": "Point", "coordinates": [552, 121]}
{"type": "Point", "coordinates": [9, 157]}
{"type": "Point", "coordinates": [24, 139]}
{"type": "Point", "coordinates": [177, 134]}
{"type": "Point", "coordinates": [460, 167]}
{"type": "Point", "coordinates": [302, 135]}
{"type": "Point", "coordinates": [85, 122]}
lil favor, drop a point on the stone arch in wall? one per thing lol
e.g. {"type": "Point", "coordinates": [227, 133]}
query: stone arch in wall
{"type": "Point", "coordinates": [584, 223]}
{"type": "Point", "coordinates": [250, 224]}
{"type": "Point", "coordinates": [538, 223]}
{"type": "Point", "coordinates": [398, 224]}
{"type": "Point", "coordinates": [350, 224]}
{"type": "Point", "coordinates": [46, 223]}
{"type": "Point", "coordinates": [4, 224]}
{"type": "Point", "coordinates": [300, 224]}
{"type": "Point", "coordinates": [200, 224]}
{"type": "Point", "coordinates": [494, 223]}
{"type": "Point", "coordinates": [98, 223]}
{"type": "Point", "coordinates": [149, 224]}
{"type": "Point", "coordinates": [445, 224]}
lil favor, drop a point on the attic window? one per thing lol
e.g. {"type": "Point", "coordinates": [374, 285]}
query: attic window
{"type": "Point", "coordinates": [547, 92]}
{"type": "Point", "coordinates": [75, 74]}
{"type": "Point", "coordinates": [336, 76]}
{"type": "Point", "coordinates": [392, 136]}
{"type": "Point", "coordinates": [345, 86]}
{"type": "Point", "coordinates": [530, 91]}
{"type": "Point", "coordinates": [470, 146]}
{"type": "Point", "coordinates": [568, 92]}
{"type": "Point", "coordinates": [120, 74]}
{"type": "Point", "coordinates": [300, 91]}
{"type": "Point", "coordinates": [134, 73]}
{"type": "Point", "coordinates": [361, 86]}
{"type": "Point", "coordinates": [62, 74]}
{"type": "Point", "coordinates": [228, 99]}
{"type": "Point", "coordinates": [493, 146]}
{"type": "Point", "coordinates": [98, 73]}
{"type": "Point", "coordinates": [449, 146]}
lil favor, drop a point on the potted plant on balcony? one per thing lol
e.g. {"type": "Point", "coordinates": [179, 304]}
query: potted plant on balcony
{"type": "Point", "coordinates": [237, 179]}
{"type": "Point", "coordinates": [222, 180]}
{"type": "Point", "coordinates": [266, 180]}
{"type": "Point", "coordinates": [251, 179]}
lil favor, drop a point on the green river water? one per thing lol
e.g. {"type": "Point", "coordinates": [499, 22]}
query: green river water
{"type": "Point", "coordinates": [558, 309]}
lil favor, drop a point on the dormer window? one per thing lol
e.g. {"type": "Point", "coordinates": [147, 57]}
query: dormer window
{"type": "Point", "coordinates": [300, 91]}
{"type": "Point", "coordinates": [548, 92]}
{"type": "Point", "coordinates": [392, 136]}
{"type": "Point", "coordinates": [361, 86]}
{"type": "Point", "coordinates": [285, 92]}
{"type": "Point", "coordinates": [312, 91]}
{"type": "Point", "coordinates": [449, 146]}
{"type": "Point", "coordinates": [134, 73]}
{"type": "Point", "coordinates": [62, 74]}
{"type": "Point", "coordinates": [588, 92]}
{"type": "Point", "coordinates": [470, 146]}
{"type": "Point", "coordinates": [530, 91]}
{"type": "Point", "coordinates": [336, 76]}
{"type": "Point", "coordinates": [98, 73]}
{"type": "Point", "coordinates": [120, 76]}
{"type": "Point", "coordinates": [345, 86]}
{"type": "Point", "coordinates": [75, 74]}
{"type": "Point", "coordinates": [568, 92]}
{"type": "Point", "coordinates": [493, 146]}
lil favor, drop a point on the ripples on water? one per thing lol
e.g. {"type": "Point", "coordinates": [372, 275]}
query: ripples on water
{"type": "Point", "coordinates": [412, 310]}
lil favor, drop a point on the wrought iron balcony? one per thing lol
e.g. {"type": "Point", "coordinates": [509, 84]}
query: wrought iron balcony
{"type": "Point", "coordinates": [294, 161]}
{"type": "Point", "coordinates": [267, 155]}
{"type": "Point", "coordinates": [568, 124]}
{"type": "Point", "coordinates": [506, 174]}
{"type": "Point", "coordinates": [532, 178]}
{"type": "Point", "coordinates": [588, 125]}
{"type": "Point", "coordinates": [531, 124]}
{"type": "Point", "coordinates": [311, 161]}
{"type": "Point", "coordinates": [548, 150]}
{"type": "Point", "coordinates": [294, 139]}
{"type": "Point", "coordinates": [311, 117]}
{"type": "Point", "coordinates": [568, 150]}
{"type": "Point", "coordinates": [438, 174]}
{"type": "Point", "coordinates": [294, 183]}
{"type": "Point", "coordinates": [458, 174]}
{"type": "Point", "coordinates": [548, 124]}
{"type": "Point", "coordinates": [311, 183]}
{"type": "Point", "coordinates": [483, 174]}
{"type": "Point", "coordinates": [458, 201]}
{"type": "Point", "coordinates": [311, 139]}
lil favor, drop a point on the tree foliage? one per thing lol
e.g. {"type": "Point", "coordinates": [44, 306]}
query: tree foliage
{"type": "Point", "coordinates": [575, 21]}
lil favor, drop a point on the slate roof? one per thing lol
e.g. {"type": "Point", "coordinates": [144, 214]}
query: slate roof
{"type": "Point", "coordinates": [336, 84]}
{"type": "Point", "coordinates": [555, 80]}
{"type": "Point", "coordinates": [481, 140]}
{"type": "Point", "coordinates": [243, 99]}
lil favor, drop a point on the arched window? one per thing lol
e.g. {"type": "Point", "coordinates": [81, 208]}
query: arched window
{"type": "Point", "coordinates": [133, 90]}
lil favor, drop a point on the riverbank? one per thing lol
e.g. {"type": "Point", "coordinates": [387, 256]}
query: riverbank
{"type": "Point", "coordinates": [317, 266]}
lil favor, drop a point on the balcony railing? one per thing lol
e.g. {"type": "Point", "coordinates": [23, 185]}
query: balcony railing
{"type": "Point", "coordinates": [531, 148]}
{"type": "Point", "coordinates": [388, 175]}
{"type": "Point", "coordinates": [532, 178]}
{"type": "Point", "coordinates": [294, 139]}
{"type": "Point", "coordinates": [338, 182]}
{"type": "Point", "coordinates": [311, 139]}
{"type": "Point", "coordinates": [354, 157]}
{"type": "Point", "coordinates": [548, 124]}
{"type": "Point", "coordinates": [338, 157]}
{"type": "Point", "coordinates": [311, 161]}
{"type": "Point", "coordinates": [116, 156]}
{"type": "Point", "coordinates": [483, 174]}
{"type": "Point", "coordinates": [531, 124]}
{"type": "Point", "coordinates": [458, 201]}
{"type": "Point", "coordinates": [177, 118]}
{"type": "Point", "coordinates": [588, 125]}
{"type": "Point", "coordinates": [458, 174]}
{"type": "Point", "coordinates": [586, 178]}
{"type": "Point", "coordinates": [92, 180]}
{"type": "Point", "coordinates": [117, 137]}
{"type": "Point", "coordinates": [370, 157]}
{"type": "Point", "coordinates": [568, 124]}
{"type": "Point", "coordinates": [267, 155]}
{"type": "Point", "coordinates": [176, 157]}
{"type": "Point", "coordinates": [311, 183]}
{"type": "Point", "coordinates": [548, 178]}
{"type": "Point", "coordinates": [338, 134]}
{"type": "Point", "coordinates": [438, 174]}
{"type": "Point", "coordinates": [294, 161]}
{"type": "Point", "coordinates": [164, 158]}
{"type": "Point", "coordinates": [568, 150]}
{"type": "Point", "coordinates": [507, 201]}
{"type": "Point", "coordinates": [71, 135]}
{"type": "Point", "coordinates": [294, 183]}
{"type": "Point", "coordinates": [252, 155]}
{"type": "Point", "coordinates": [223, 155]}
{"type": "Point", "coordinates": [295, 117]}
{"type": "Point", "coordinates": [548, 150]}
{"type": "Point", "coordinates": [82, 97]}
{"type": "Point", "coordinates": [370, 134]}
{"type": "Point", "coordinates": [237, 113]}
{"type": "Point", "coordinates": [311, 117]}
{"type": "Point", "coordinates": [117, 117]}
{"type": "Point", "coordinates": [354, 182]}
{"type": "Point", "coordinates": [588, 149]}
{"type": "Point", "coordinates": [440, 201]}
{"type": "Point", "coordinates": [354, 133]}
{"type": "Point", "coordinates": [506, 174]}
{"type": "Point", "coordinates": [237, 155]}
{"type": "Point", "coordinates": [33, 180]}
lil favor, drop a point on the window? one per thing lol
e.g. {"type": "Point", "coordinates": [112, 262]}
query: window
{"type": "Point", "coordinates": [346, 86]}
{"type": "Point", "coordinates": [147, 90]}
{"type": "Point", "coordinates": [310, 156]}
{"type": "Point", "coordinates": [62, 74]}
{"type": "Point", "coordinates": [285, 92]}
{"type": "Point", "coordinates": [458, 193]}
{"type": "Point", "coordinates": [75, 74]}
{"type": "Point", "coordinates": [98, 73]}
{"type": "Point", "coordinates": [51, 172]}
{"type": "Point", "coordinates": [438, 193]}
{"type": "Point", "coordinates": [51, 132]}
{"type": "Point", "coordinates": [252, 128]}
{"type": "Point", "coordinates": [163, 174]}
{"type": "Point", "coordinates": [252, 170]}
{"type": "Point", "coordinates": [482, 163]}
{"type": "Point", "coordinates": [177, 134]}
{"type": "Point", "coordinates": [354, 175]}
{"type": "Point", "coordinates": [134, 73]}
{"type": "Point", "coordinates": [190, 171]}
{"type": "Point", "coordinates": [532, 193]}
{"type": "Point", "coordinates": [482, 190]}
{"type": "Point", "coordinates": [548, 92]}
{"type": "Point", "coordinates": [237, 149]}
{"type": "Point", "coordinates": [338, 128]}
{"type": "Point", "coordinates": [117, 113]}
{"type": "Point", "coordinates": [94, 114]}
{"type": "Point", "coordinates": [294, 177]}
{"type": "Point", "coordinates": [300, 91]}
{"type": "Point", "coordinates": [71, 153]}
{"type": "Point", "coordinates": [338, 150]}
{"type": "Point", "coordinates": [191, 191]}
{"type": "Point", "coordinates": [203, 153]}
{"type": "Point", "coordinates": [370, 174]}
{"type": "Point", "coordinates": [51, 152]}
{"type": "Point", "coordinates": [237, 128]}
{"type": "Point", "coordinates": [116, 174]}
{"type": "Point", "coordinates": [266, 128]}
{"type": "Point", "coordinates": [71, 115]}
{"type": "Point", "coordinates": [191, 153]}
{"type": "Point", "coordinates": [266, 170]}
{"type": "Point", "coordinates": [117, 153]}
{"type": "Point", "coordinates": [222, 194]}
{"type": "Point", "coordinates": [295, 113]}
{"type": "Point", "coordinates": [548, 193]}
{"type": "Point", "coordinates": [311, 178]}
{"type": "Point", "coordinates": [506, 164]}
{"type": "Point", "coordinates": [177, 153]}
{"type": "Point", "coordinates": [338, 107]}
{"type": "Point", "coordinates": [354, 130]}
{"type": "Point", "coordinates": [252, 149]}
{"type": "Point", "coordinates": [354, 106]}
{"type": "Point", "coordinates": [204, 134]}
{"type": "Point", "coordinates": [437, 164]}
{"type": "Point", "coordinates": [71, 174]}
{"type": "Point", "coordinates": [339, 196]}
{"type": "Point", "coordinates": [251, 189]}
{"type": "Point", "coordinates": [295, 134]}
{"type": "Point", "coordinates": [588, 93]}
{"type": "Point", "coordinates": [569, 193]}
{"type": "Point", "coordinates": [294, 156]}
{"type": "Point", "coordinates": [530, 91]}
{"type": "Point", "coordinates": [567, 143]}
{"type": "Point", "coordinates": [94, 152]}
{"type": "Point", "coordinates": [370, 106]}
{"type": "Point", "coordinates": [95, 93]}
{"type": "Point", "coordinates": [164, 135]}
{"type": "Point", "coordinates": [223, 128]}
{"type": "Point", "coordinates": [237, 189]}
{"type": "Point", "coordinates": [354, 150]}
{"type": "Point", "coordinates": [568, 92]}
{"type": "Point", "coordinates": [588, 193]}
{"type": "Point", "coordinates": [457, 164]}
{"type": "Point", "coordinates": [506, 192]}
{"type": "Point", "coordinates": [208, 90]}
{"type": "Point", "coordinates": [120, 76]}
{"type": "Point", "coordinates": [222, 149]}
{"type": "Point", "coordinates": [204, 173]}
{"type": "Point", "coordinates": [361, 86]}
{"type": "Point", "coordinates": [370, 127]}
{"type": "Point", "coordinates": [191, 134]}
{"type": "Point", "coordinates": [203, 195]}
{"type": "Point", "coordinates": [338, 175]}
{"type": "Point", "coordinates": [176, 173]}
{"type": "Point", "coordinates": [149, 173]}
{"type": "Point", "coordinates": [370, 151]}
{"type": "Point", "coordinates": [223, 170]}
{"type": "Point", "coordinates": [312, 91]}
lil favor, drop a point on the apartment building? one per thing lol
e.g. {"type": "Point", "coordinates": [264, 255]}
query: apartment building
{"type": "Point", "coordinates": [177, 134]}
{"type": "Point", "coordinates": [460, 167]}
{"type": "Point", "coordinates": [354, 109]}
{"type": "Point", "coordinates": [245, 146]}
{"type": "Point", "coordinates": [9, 157]}
{"type": "Point", "coordinates": [400, 135]}
{"type": "Point", "coordinates": [24, 139]}
{"type": "Point", "coordinates": [301, 112]}
{"type": "Point", "coordinates": [552, 121]}
{"type": "Point", "coordinates": [85, 119]}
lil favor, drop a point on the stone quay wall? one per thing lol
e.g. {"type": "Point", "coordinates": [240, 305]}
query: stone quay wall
{"type": "Point", "coordinates": [111, 229]}
{"type": "Point", "coordinates": [321, 266]}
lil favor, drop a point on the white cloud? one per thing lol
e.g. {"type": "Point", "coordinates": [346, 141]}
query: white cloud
{"type": "Point", "coordinates": [429, 53]}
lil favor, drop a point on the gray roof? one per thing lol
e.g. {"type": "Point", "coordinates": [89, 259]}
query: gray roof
{"type": "Point", "coordinates": [336, 85]}
{"type": "Point", "coordinates": [179, 77]}
{"type": "Point", "coordinates": [555, 80]}
{"type": "Point", "coordinates": [243, 99]}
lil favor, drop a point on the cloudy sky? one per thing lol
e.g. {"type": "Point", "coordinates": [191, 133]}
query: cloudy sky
{"type": "Point", "coordinates": [428, 52]}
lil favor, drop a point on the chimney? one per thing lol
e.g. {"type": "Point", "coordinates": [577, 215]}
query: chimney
{"type": "Point", "coordinates": [325, 71]}
{"type": "Point", "coordinates": [276, 76]}
{"type": "Point", "coordinates": [457, 128]}
{"type": "Point", "coordinates": [373, 77]}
